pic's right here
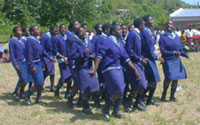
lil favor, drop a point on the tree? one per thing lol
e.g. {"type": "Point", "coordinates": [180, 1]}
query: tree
{"type": "Point", "coordinates": [20, 11]}
{"type": "Point", "coordinates": [49, 12]}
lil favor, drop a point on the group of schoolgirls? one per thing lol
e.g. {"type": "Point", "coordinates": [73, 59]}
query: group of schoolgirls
{"type": "Point", "coordinates": [116, 65]}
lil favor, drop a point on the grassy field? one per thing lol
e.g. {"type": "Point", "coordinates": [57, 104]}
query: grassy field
{"type": "Point", "coordinates": [51, 111]}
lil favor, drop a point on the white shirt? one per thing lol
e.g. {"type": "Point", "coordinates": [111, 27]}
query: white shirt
{"type": "Point", "coordinates": [189, 33]}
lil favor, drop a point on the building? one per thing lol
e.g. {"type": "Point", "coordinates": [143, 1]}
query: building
{"type": "Point", "coordinates": [184, 18]}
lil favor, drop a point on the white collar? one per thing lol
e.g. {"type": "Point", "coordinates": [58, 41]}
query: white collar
{"type": "Point", "coordinates": [137, 30]}
{"type": "Point", "coordinates": [103, 34]}
{"type": "Point", "coordinates": [171, 35]}
{"type": "Point", "coordinates": [115, 40]}
{"type": "Point", "coordinates": [25, 37]}
{"type": "Point", "coordinates": [49, 35]}
{"type": "Point", "coordinates": [35, 38]}
{"type": "Point", "coordinates": [18, 40]}
{"type": "Point", "coordinates": [138, 33]}
{"type": "Point", "coordinates": [63, 37]}
{"type": "Point", "coordinates": [126, 36]}
{"type": "Point", "coordinates": [148, 30]}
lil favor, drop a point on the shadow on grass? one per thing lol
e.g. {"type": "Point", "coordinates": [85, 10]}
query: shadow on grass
{"type": "Point", "coordinates": [157, 99]}
{"type": "Point", "coordinates": [9, 99]}
{"type": "Point", "coordinates": [54, 106]}
{"type": "Point", "coordinates": [61, 107]}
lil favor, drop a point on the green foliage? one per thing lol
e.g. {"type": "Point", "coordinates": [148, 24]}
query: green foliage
{"type": "Point", "coordinates": [48, 12]}
{"type": "Point", "coordinates": [20, 11]}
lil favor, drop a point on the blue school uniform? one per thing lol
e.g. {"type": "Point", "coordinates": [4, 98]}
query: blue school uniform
{"type": "Point", "coordinates": [172, 67]}
{"type": "Point", "coordinates": [34, 54]}
{"type": "Point", "coordinates": [47, 42]}
{"type": "Point", "coordinates": [151, 70]}
{"type": "Point", "coordinates": [111, 52]}
{"type": "Point", "coordinates": [134, 50]}
{"type": "Point", "coordinates": [83, 66]}
{"type": "Point", "coordinates": [61, 49]}
{"type": "Point", "coordinates": [25, 39]}
{"type": "Point", "coordinates": [17, 54]}
{"type": "Point", "coordinates": [71, 39]}
{"type": "Point", "coordinates": [97, 43]}
{"type": "Point", "coordinates": [124, 66]}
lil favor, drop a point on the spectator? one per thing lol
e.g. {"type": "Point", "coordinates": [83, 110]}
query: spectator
{"type": "Point", "coordinates": [5, 56]}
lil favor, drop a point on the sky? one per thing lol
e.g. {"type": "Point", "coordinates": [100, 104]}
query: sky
{"type": "Point", "coordinates": [192, 2]}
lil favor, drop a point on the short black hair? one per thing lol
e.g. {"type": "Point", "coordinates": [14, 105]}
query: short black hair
{"type": "Point", "coordinates": [61, 25]}
{"type": "Point", "coordinates": [115, 22]}
{"type": "Point", "coordinates": [78, 30]}
{"type": "Point", "coordinates": [84, 24]}
{"type": "Point", "coordinates": [129, 27]}
{"type": "Point", "coordinates": [146, 18]}
{"type": "Point", "coordinates": [124, 25]}
{"type": "Point", "coordinates": [138, 22]}
{"type": "Point", "coordinates": [15, 28]}
{"type": "Point", "coordinates": [97, 26]}
{"type": "Point", "coordinates": [113, 28]}
{"type": "Point", "coordinates": [32, 28]}
{"type": "Point", "coordinates": [106, 26]}
{"type": "Point", "coordinates": [70, 27]}
{"type": "Point", "coordinates": [53, 27]}
{"type": "Point", "coordinates": [168, 22]}
{"type": "Point", "coordinates": [24, 29]}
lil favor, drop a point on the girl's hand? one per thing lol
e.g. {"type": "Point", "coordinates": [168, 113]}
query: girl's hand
{"type": "Point", "coordinates": [33, 70]}
{"type": "Point", "coordinates": [17, 68]}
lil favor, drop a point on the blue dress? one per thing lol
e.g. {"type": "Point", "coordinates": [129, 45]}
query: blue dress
{"type": "Point", "coordinates": [124, 66]}
{"type": "Point", "coordinates": [24, 39]}
{"type": "Point", "coordinates": [83, 66]}
{"type": "Point", "coordinates": [71, 39]}
{"type": "Point", "coordinates": [61, 49]}
{"type": "Point", "coordinates": [34, 54]}
{"type": "Point", "coordinates": [134, 49]}
{"type": "Point", "coordinates": [47, 42]}
{"type": "Point", "coordinates": [17, 54]}
{"type": "Point", "coordinates": [97, 41]}
{"type": "Point", "coordinates": [151, 70]}
{"type": "Point", "coordinates": [111, 52]}
{"type": "Point", "coordinates": [172, 67]}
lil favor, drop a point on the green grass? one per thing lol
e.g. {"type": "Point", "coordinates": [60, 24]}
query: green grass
{"type": "Point", "coordinates": [52, 111]}
{"type": "Point", "coordinates": [4, 37]}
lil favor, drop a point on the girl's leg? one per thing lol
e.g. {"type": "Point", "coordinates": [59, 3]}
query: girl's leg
{"type": "Point", "coordinates": [30, 85]}
{"type": "Point", "coordinates": [107, 106]}
{"type": "Point", "coordinates": [71, 97]}
{"type": "Point", "coordinates": [22, 95]}
{"type": "Point", "coordinates": [96, 98]}
{"type": "Point", "coordinates": [116, 111]}
{"type": "Point", "coordinates": [39, 93]}
{"type": "Point", "coordinates": [15, 93]}
{"type": "Point", "coordinates": [69, 87]}
{"type": "Point", "coordinates": [128, 102]}
{"type": "Point", "coordinates": [173, 90]}
{"type": "Point", "coordinates": [59, 85]}
{"type": "Point", "coordinates": [29, 93]}
{"type": "Point", "coordinates": [165, 88]}
{"type": "Point", "coordinates": [86, 107]}
{"type": "Point", "coordinates": [139, 104]}
{"type": "Point", "coordinates": [52, 80]}
{"type": "Point", "coordinates": [152, 88]}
